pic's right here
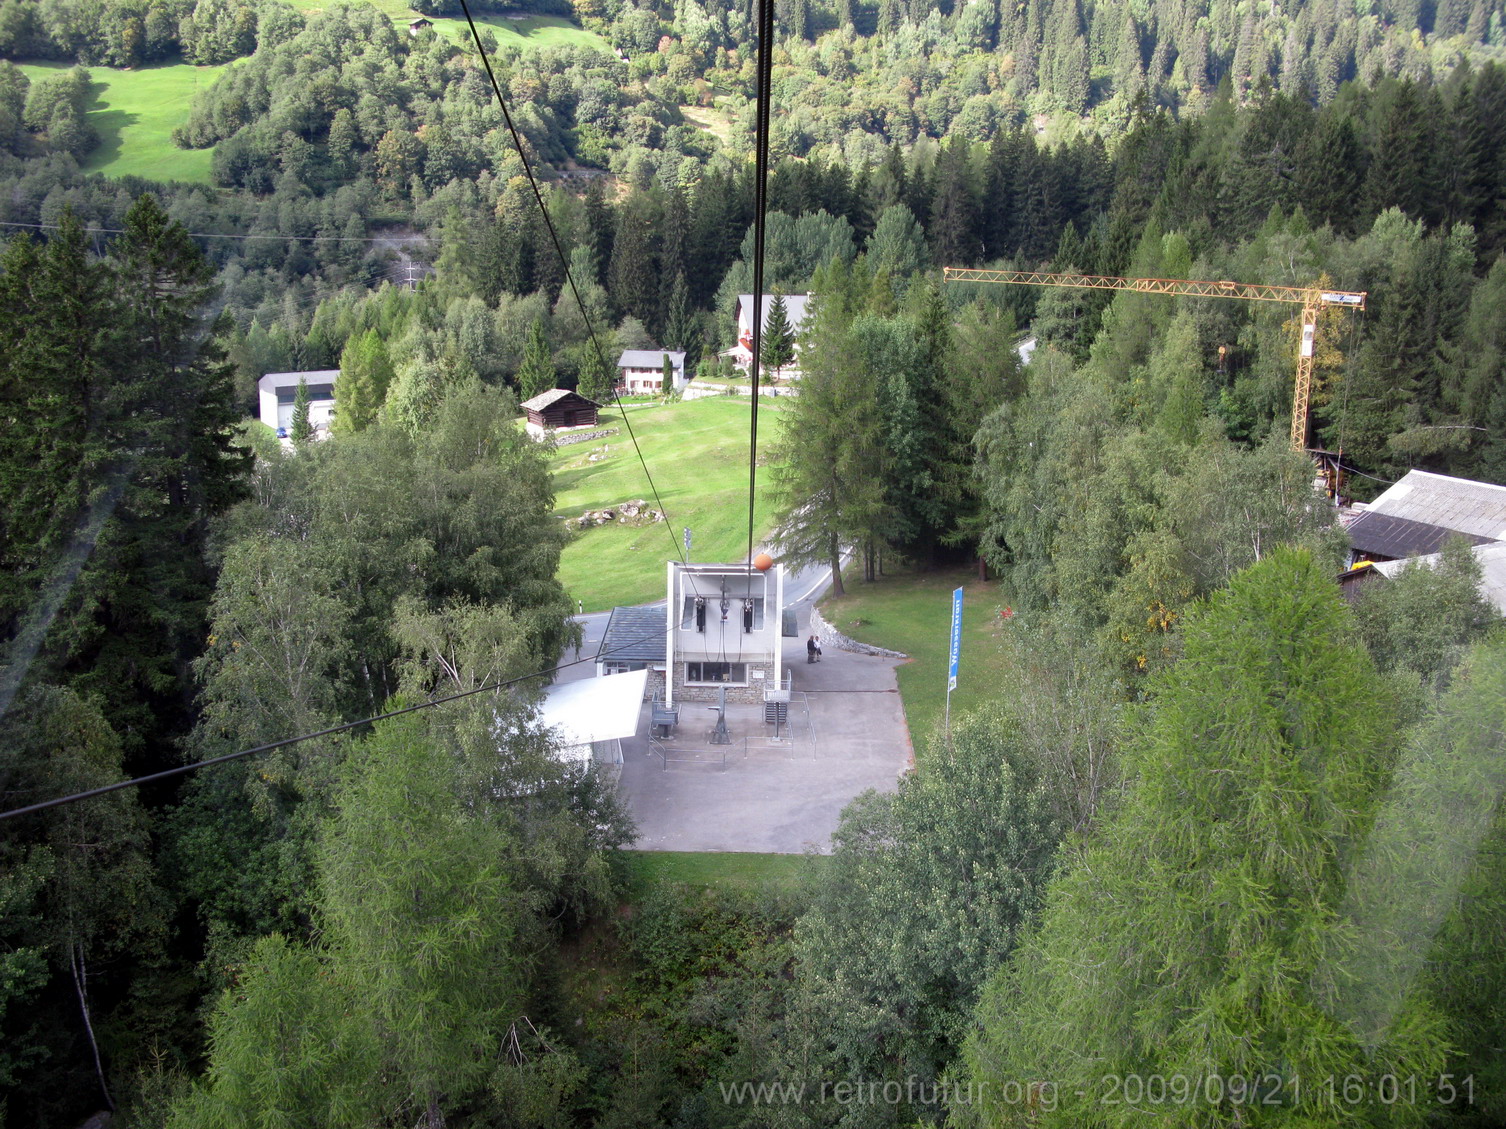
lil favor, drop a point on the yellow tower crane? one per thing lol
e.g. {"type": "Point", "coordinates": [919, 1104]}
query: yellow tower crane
{"type": "Point", "coordinates": [1310, 298]}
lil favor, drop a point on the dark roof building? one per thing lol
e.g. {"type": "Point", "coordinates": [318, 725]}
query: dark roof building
{"type": "Point", "coordinates": [1383, 537]}
{"type": "Point", "coordinates": [557, 409]}
{"type": "Point", "coordinates": [1417, 515]}
{"type": "Point", "coordinates": [633, 640]}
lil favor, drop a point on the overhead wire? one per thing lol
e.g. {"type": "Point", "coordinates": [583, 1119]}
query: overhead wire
{"type": "Point", "coordinates": [182, 769]}
{"type": "Point", "coordinates": [559, 251]}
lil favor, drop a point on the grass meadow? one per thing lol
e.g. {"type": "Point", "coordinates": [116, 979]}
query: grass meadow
{"type": "Point", "coordinates": [716, 868]}
{"type": "Point", "coordinates": [135, 113]}
{"type": "Point", "coordinates": [525, 31]}
{"type": "Point", "coordinates": [697, 452]}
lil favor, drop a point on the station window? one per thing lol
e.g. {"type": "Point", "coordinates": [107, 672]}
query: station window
{"type": "Point", "coordinates": [717, 672]}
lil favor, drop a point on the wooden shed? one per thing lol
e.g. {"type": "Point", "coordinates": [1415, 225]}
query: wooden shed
{"type": "Point", "coordinates": [558, 409]}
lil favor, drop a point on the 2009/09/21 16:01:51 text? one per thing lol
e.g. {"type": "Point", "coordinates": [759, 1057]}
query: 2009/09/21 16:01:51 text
{"type": "Point", "coordinates": [1269, 1089]}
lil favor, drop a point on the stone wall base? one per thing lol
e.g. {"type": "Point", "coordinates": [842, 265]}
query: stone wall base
{"type": "Point", "coordinates": [751, 694]}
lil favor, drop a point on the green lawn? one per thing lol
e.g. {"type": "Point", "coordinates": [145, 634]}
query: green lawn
{"type": "Point", "coordinates": [726, 868]}
{"type": "Point", "coordinates": [697, 451]}
{"type": "Point", "coordinates": [135, 113]}
{"type": "Point", "coordinates": [528, 31]}
{"type": "Point", "coordinates": [912, 612]}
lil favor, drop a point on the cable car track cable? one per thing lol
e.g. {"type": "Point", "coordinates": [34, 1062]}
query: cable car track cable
{"type": "Point", "coordinates": [559, 252]}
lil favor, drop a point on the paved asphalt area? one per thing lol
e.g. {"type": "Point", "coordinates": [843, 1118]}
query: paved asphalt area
{"type": "Point", "coordinates": [757, 794]}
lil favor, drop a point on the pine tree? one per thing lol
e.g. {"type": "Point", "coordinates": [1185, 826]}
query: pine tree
{"type": "Point", "coordinates": [301, 431]}
{"type": "Point", "coordinates": [536, 374]}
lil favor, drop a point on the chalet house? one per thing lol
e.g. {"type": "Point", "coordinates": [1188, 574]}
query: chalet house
{"type": "Point", "coordinates": [1417, 515]}
{"type": "Point", "coordinates": [277, 392]}
{"type": "Point", "coordinates": [642, 370]}
{"type": "Point", "coordinates": [418, 25]}
{"type": "Point", "coordinates": [795, 307]}
{"type": "Point", "coordinates": [723, 628]}
{"type": "Point", "coordinates": [559, 409]}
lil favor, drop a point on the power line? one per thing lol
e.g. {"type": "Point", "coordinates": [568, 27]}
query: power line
{"type": "Point", "coordinates": [559, 252]}
{"type": "Point", "coordinates": [89, 230]}
{"type": "Point", "coordinates": [181, 770]}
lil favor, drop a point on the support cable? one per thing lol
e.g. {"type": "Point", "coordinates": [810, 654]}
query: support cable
{"type": "Point", "coordinates": [559, 251]}
{"type": "Point", "coordinates": [765, 72]}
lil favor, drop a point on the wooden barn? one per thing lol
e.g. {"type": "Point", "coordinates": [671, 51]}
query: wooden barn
{"type": "Point", "coordinates": [559, 409]}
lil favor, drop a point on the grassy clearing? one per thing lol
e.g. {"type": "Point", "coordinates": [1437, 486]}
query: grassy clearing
{"type": "Point", "coordinates": [697, 452]}
{"type": "Point", "coordinates": [729, 868]}
{"type": "Point", "coordinates": [713, 121]}
{"type": "Point", "coordinates": [912, 612]}
{"type": "Point", "coordinates": [526, 31]}
{"type": "Point", "coordinates": [135, 112]}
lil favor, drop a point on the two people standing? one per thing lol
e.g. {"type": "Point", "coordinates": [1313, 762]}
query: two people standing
{"type": "Point", "coordinates": [813, 649]}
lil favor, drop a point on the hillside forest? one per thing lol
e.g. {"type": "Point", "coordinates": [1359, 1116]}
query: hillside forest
{"type": "Point", "coordinates": [1217, 823]}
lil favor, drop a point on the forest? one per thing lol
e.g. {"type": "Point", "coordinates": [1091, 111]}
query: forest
{"type": "Point", "coordinates": [1217, 824]}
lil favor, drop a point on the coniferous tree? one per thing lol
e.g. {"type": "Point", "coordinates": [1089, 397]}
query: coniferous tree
{"type": "Point", "coordinates": [680, 328]}
{"type": "Point", "coordinates": [537, 372]}
{"type": "Point", "coordinates": [169, 429]}
{"type": "Point", "coordinates": [302, 430]}
{"type": "Point", "coordinates": [57, 364]}
{"type": "Point", "coordinates": [595, 381]}
{"type": "Point", "coordinates": [1258, 766]}
{"type": "Point", "coordinates": [365, 377]}
{"type": "Point", "coordinates": [777, 345]}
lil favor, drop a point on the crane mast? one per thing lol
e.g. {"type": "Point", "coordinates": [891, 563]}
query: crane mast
{"type": "Point", "coordinates": [1311, 298]}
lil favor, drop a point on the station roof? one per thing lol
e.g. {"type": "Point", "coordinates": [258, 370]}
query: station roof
{"type": "Point", "coordinates": [594, 709]}
{"type": "Point", "coordinates": [634, 635]}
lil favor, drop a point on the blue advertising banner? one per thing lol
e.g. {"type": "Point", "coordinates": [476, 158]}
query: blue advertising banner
{"type": "Point", "coordinates": [951, 683]}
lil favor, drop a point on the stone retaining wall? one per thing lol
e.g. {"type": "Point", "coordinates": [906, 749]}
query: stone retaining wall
{"type": "Point", "coordinates": [831, 635]}
{"type": "Point", "coordinates": [565, 439]}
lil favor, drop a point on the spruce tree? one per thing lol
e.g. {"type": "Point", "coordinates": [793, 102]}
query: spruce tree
{"type": "Point", "coordinates": [302, 430]}
{"type": "Point", "coordinates": [57, 313]}
{"type": "Point", "coordinates": [171, 424]}
{"type": "Point", "coordinates": [680, 331]}
{"type": "Point", "coordinates": [595, 382]}
{"type": "Point", "coordinates": [778, 341]}
{"type": "Point", "coordinates": [537, 371]}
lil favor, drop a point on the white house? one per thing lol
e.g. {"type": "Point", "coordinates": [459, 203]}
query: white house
{"type": "Point", "coordinates": [723, 628]}
{"type": "Point", "coordinates": [278, 390]}
{"type": "Point", "coordinates": [795, 306]}
{"type": "Point", "coordinates": [642, 370]}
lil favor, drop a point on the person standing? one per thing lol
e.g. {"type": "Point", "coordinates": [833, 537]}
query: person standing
{"type": "Point", "coordinates": [810, 649]}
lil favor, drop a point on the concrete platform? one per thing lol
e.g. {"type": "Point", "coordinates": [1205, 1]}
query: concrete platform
{"type": "Point", "coordinates": [757, 796]}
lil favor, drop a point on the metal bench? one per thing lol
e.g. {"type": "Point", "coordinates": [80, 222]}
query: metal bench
{"type": "Point", "coordinates": [663, 719]}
